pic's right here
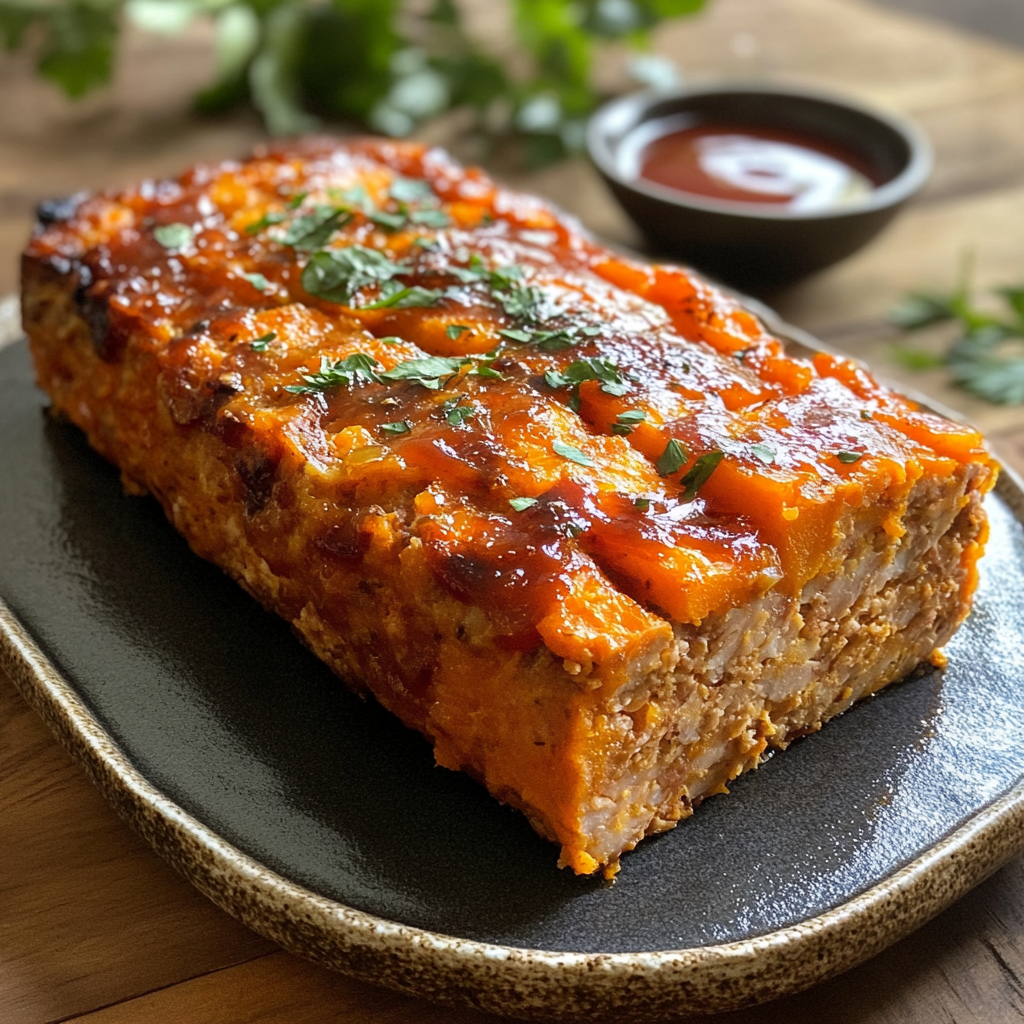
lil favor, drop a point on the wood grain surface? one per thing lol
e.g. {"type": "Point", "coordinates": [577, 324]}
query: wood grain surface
{"type": "Point", "coordinates": [93, 927]}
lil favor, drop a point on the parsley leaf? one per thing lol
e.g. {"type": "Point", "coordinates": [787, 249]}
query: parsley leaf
{"type": "Point", "coordinates": [522, 302]}
{"type": "Point", "coordinates": [567, 451]}
{"type": "Point", "coordinates": [987, 358]}
{"type": "Point", "coordinates": [919, 309]}
{"type": "Point", "coordinates": [399, 427]}
{"type": "Point", "coordinates": [643, 504]}
{"type": "Point", "coordinates": [430, 218]}
{"type": "Point", "coordinates": [406, 298]}
{"type": "Point", "coordinates": [337, 274]}
{"type": "Point", "coordinates": [848, 458]}
{"type": "Point", "coordinates": [260, 344]}
{"type": "Point", "coordinates": [427, 371]}
{"type": "Point", "coordinates": [525, 337]}
{"type": "Point", "coordinates": [673, 458]}
{"type": "Point", "coordinates": [626, 422]}
{"type": "Point", "coordinates": [596, 368]}
{"type": "Point", "coordinates": [699, 474]}
{"type": "Point", "coordinates": [521, 504]}
{"type": "Point", "coordinates": [457, 414]}
{"type": "Point", "coordinates": [765, 452]}
{"type": "Point", "coordinates": [354, 369]}
{"type": "Point", "coordinates": [996, 379]}
{"type": "Point", "coordinates": [258, 281]}
{"type": "Point", "coordinates": [387, 221]}
{"type": "Point", "coordinates": [265, 221]}
{"type": "Point", "coordinates": [455, 331]}
{"type": "Point", "coordinates": [474, 271]}
{"type": "Point", "coordinates": [410, 190]}
{"type": "Point", "coordinates": [173, 236]}
{"type": "Point", "coordinates": [916, 359]}
{"type": "Point", "coordinates": [312, 230]}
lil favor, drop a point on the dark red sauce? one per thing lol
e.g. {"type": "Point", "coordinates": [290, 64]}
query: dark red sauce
{"type": "Point", "coordinates": [756, 165]}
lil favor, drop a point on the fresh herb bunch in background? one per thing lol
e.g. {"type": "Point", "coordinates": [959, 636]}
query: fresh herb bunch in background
{"type": "Point", "coordinates": [987, 355]}
{"type": "Point", "coordinates": [388, 65]}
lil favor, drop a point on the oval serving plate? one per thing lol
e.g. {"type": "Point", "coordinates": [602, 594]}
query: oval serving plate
{"type": "Point", "coordinates": [320, 821]}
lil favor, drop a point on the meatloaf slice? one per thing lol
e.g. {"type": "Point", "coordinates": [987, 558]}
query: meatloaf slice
{"type": "Point", "coordinates": [579, 521]}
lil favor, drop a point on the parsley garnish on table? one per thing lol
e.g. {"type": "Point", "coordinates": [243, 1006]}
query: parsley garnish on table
{"type": "Point", "coordinates": [986, 357]}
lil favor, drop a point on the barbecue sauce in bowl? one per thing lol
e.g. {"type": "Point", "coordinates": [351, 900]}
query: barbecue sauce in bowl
{"type": "Point", "coordinates": [757, 165]}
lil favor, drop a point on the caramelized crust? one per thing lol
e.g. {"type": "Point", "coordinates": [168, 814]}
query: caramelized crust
{"type": "Point", "coordinates": [579, 521]}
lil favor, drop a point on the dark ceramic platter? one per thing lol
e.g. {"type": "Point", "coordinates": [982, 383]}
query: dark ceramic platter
{"type": "Point", "coordinates": [212, 703]}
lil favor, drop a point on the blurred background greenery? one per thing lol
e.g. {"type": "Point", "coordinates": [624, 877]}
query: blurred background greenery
{"type": "Point", "coordinates": [523, 75]}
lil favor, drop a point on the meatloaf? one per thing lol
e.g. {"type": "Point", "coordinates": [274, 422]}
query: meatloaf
{"type": "Point", "coordinates": [578, 520]}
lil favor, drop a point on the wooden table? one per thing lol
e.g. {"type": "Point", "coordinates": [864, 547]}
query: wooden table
{"type": "Point", "coordinates": [93, 927]}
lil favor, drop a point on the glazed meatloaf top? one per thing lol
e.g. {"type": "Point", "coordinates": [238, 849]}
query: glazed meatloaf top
{"type": "Point", "coordinates": [540, 410]}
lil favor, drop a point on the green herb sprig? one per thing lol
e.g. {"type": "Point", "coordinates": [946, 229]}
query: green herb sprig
{"type": "Point", "coordinates": [354, 369]}
{"type": "Point", "coordinates": [596, 368]}
{"type": "Point", "coordinates": [986, 357]}
{"type": "Point", "coordinates": [338, 274]}
{"type": "Point", "coordinates": [699, 473]}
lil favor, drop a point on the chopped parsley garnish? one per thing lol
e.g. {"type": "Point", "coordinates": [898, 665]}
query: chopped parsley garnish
{"type": "Point", "coordinates": [354, 197]}
{"type": "Point", "coordinates": [848, 458]}
{"type": "Point", "coordinates": [521, 504]}
{"type": "Point", "coordinates": [625, 422]}
{"type": "Point", "coordinates": [699, 473]}
{"type": "Point", "coordinates": [522, 302]}
{"type": "Point", "coordinates": [454, 331]}
{"type": "Point", "coordinates": [673, 458]}
{"type": "Point", "coordinates": [410, 297]}
{"type": "Point", "coordinates": [474, 271]}
{"type": "Point", "coordinates": [427, 371]}
{"type": "Point", "coordinates": [457, 414]}
{"type": "Point", "coordinates": [524, 337]}
{"type": "Point", "coordinates": [354, 369]}
{"type": "Point", "coordinates": [764, 452]}
{"type": "Point", "coordinates": [519, 300]}
{"type": "Point", "coordinates": [391, 339]}
{"type": "Point", "coordinates": [337, 274]}
{"type": "Point", "coordinates": [410, 190]}
{"type": "Point", "coordinates": [550, 341]}
{"type": "Point", "coordinates": [312, 230]}
{"type": "Point", "coordinates": [258, 281]}
{"type": "Point", "coordinates": [399, 427]}
{"type": "Point", "coordinates": [643, 504]}
{"type": "Point", "coordinates": [429, 218]}
{"type": "Point", "coordinates": [273, 217]}
{"type": "Point", "coordinates": [567, 451]}
{"type": "Point", "coordinates": [260, 344]}
{"type": "Point", "coordinates": [297, 200]}
{"type": "Point", "coordinates": [486, 370]}
{"type": "Point", "coordinates": [387, 221]}
{"type": "Point", "coordinates": [865, 414]}
{"type": "Point", "coordinates": [499, 279]}
{"type": "Point", "coordinates": [173, 236]}
{"type": "Point", "coordinates": [596, 368]}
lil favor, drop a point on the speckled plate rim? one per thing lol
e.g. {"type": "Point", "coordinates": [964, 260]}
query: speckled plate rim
{"type": "Point", "coordinates": [527, 983]}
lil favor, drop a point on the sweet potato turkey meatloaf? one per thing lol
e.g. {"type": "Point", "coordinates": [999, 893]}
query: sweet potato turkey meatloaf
{"type": "Point", "coordinates": [579, 521]}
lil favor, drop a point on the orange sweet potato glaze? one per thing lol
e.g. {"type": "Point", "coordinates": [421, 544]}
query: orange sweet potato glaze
{"type": "Point", "coordinates": [600, 440]}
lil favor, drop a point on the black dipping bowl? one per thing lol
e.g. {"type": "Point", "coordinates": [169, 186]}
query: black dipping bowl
{"type": "Point", "coordinates": [745, 244]}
